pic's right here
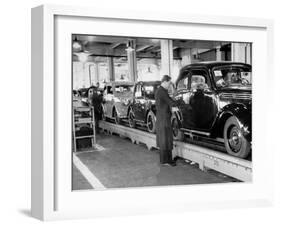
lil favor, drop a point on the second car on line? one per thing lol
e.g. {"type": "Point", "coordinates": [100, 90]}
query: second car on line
{"type": "Point", "coordinates": [117, 96]}
{"type": "Point", "coordinates": [142, 109]}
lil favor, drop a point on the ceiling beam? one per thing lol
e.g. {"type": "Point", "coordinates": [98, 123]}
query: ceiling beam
{"type": "Point", "coordinates": [142, 48]}
{"type": "Point", "coordinates": [114, 45]}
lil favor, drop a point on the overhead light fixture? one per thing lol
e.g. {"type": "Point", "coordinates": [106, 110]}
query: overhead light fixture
{"type": "Point", "coordinates": [149, 70]}
{"type": "Point", "coordinates": [130, 46]}
{"type": "Point", "coordinates": [83, 57]}
{"type": "Point", "coordinates": [76, 45]}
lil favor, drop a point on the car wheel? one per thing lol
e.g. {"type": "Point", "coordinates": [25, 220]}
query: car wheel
{"type": "Point", "coordinates": [235, 142]}
{"type": "Point", "coordinates": [177, 133]}
{"type": "Point", "coordinates": [116, 117]}
{"type": "Point", "coordinates": [131, 117]}
{"type": "Point", "coordinates": [103, 117]}
{"type": "Point", "coordinates": [151, 122]}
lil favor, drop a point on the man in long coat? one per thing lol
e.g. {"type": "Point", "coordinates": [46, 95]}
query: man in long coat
{"type": "Point", "coordinates": [164, 134]}
{"type": "Point", "coordinates": [95, 100]}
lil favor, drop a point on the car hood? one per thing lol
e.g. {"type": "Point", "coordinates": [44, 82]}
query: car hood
{"type": "Point", "coordinates": [237, 89]}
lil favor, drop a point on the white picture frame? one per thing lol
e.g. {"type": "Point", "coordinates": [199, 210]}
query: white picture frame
{"type": "Point", "coordinates": [52, 197]}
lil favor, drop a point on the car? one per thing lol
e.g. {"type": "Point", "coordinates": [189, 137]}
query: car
{"type": "Point", "coordinates": [214, 100]}
{"type": "Point", "coordinates": [83, 93]}
{"type": "Point", "coordinates": [76, 99]}
{"type": "Point", "coordinates": [116, 97]}
{"type": "Point", "coordinates": [142, 109]}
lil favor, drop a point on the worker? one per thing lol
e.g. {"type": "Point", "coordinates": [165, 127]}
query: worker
{"type": "Point", "coordinates": [96, 101]}
{"type": "Point", "coordinates": [164, 135]}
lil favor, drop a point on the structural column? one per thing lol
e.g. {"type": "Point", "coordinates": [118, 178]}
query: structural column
{"type": "Point", "coordinates": [111, 69]}
{"type": "Point", "coordinates": [166, 57]}
{"type": "Point", "coordinates": [97, 74]}
{"type": "Point", "coordinates": [218, 53]}
{"type": "Point", "coordinates": [248, 53]}
{"type": "Point", "coordinates": [241, 52]}
{"type": "Point", "coordinates": [186, 57]}
{"type": "Point", "coordinates": [132, 60]}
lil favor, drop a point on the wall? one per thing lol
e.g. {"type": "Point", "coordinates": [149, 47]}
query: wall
{"type": "Point", "coordinates": [15, 112]}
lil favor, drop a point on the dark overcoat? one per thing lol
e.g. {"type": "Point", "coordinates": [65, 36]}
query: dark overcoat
{"type": "Point", "coordinates": [164, 135]}
{"type": "Point", "coordinates": [97, 104]}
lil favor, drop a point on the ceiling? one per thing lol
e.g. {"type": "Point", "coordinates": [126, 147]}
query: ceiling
{"type": "Point", "coordinates": [104, 46]}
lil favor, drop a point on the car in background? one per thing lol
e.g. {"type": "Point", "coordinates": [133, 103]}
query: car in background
{"type": "Point", "coordinates": [116, 97]}
{"type": "Point", "coordinates": [215, 101]}
{"type": "Point", "coordinates": [142, 109]}
{"type": "Point", "coordinates": [83, 92]}
{"type": "Point", "coordinates": [76, 99]}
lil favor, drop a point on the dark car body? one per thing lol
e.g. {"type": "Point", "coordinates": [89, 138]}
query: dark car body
{"type": "Point", "coordinates": [142, 109]}
{"type": "Point", "coordinates": [117, 96]}
{"type": "Point", "coordinates": [214, 100]}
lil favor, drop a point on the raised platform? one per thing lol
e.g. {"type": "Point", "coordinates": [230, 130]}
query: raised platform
{"type": "Point", "coordinates": [206, 158]}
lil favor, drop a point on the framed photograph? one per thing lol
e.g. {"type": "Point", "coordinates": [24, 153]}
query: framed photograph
{"type": "Point", "coordinates": [136, 112]}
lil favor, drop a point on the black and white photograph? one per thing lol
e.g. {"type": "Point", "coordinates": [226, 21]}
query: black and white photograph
{"type": "Point", "coordinates": [160, 112]}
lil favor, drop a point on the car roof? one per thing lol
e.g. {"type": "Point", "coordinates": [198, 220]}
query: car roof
{"type": "Point", "coordinates": [119, 83]}
{"type": "Point", "coordinates": [211, 64]}
{"type": "Point", "coordinates": [149, 82]}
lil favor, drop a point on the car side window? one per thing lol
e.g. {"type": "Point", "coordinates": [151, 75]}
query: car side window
{"type": "Point", "coordinates": [109, 90]}
{"type": "Point", "coordinates": [149, 91]}
{"type": "Point", "coordinates": [199, 80]}
{"type": "Point", "coordinates": [138, 92]}
{"type": "Point", "coordinates": [183, 83]}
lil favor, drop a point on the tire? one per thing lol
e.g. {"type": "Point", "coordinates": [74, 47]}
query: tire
{"type": "Point", "coordinates": [116, 117]}
{"type": "Point", "coordinates": [235, 142]}
{"type": "Point", "coordinates": [131, 119]}
{"type": "Point", "coordinates": [177, 133]}
{"type": "Point", "coordinates": [151, 122]}
{"type": "Point", "coordinates": [103, 117]}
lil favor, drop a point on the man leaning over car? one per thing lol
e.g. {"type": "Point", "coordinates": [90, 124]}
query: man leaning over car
{"type": "Point", "coordinates": [164, 107]}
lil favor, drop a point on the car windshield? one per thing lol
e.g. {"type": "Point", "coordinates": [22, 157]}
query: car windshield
{"type": "Point", "coordinates": [149, 91]}
{"type": "Point", "coordinates": [232, 77]}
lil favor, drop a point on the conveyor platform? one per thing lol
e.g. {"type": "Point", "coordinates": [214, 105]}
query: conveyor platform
{"type": "Point", "coordinates": [240, 169]}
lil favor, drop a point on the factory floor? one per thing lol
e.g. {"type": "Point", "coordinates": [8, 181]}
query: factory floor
{"type": "Point", "coordinates": [118, 163]}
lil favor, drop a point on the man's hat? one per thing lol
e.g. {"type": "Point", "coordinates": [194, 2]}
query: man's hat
{"type": "Point", "coordinates": [166, 78]}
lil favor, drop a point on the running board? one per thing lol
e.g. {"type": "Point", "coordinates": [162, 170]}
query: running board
{"type": "Point", "coordinates": [190, 131]}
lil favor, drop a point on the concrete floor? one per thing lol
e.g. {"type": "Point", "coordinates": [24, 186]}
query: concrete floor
{"type": "Point", "coordinates": [122, 164]}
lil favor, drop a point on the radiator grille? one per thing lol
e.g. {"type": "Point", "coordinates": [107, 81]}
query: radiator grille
{"type": "Point", "coordinates": [239, 96]}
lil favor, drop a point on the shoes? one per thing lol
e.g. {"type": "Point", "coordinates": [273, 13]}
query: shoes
{"type": "Point", "coordinates": [169, 164]}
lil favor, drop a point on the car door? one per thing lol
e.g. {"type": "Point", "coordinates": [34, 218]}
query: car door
{"type": "Point", "coordinates": [108, 97]}
{"type": "Point", "coordinates": [140, 103]}
{"type": "Point", "coordinates": [202, 100]}
{"type": "Point", "coordinates": [182, 97]}
{"type": "Point", "coordinates": [136, 104]}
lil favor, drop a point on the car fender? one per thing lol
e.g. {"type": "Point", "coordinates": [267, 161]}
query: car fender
{"type": "Point", "coordinates": [241, 112]}
{"type": "Point", "coordinates": [129, 108]}
{"type": "Point", "coordinates": [178, 116]}
{"type": "Point", "coordinates": [116, 107]}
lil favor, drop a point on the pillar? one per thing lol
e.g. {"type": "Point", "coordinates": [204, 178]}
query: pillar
{"type": "Point", "coordinates": [241, 52]}
{"type": "Point", "coordinates": [218, 53]}
{"type": "Point", "coordinates": [248, 53]}
{"type": "Point", "coordinates": [186, 57]}
{"type": "Point", "coordinates": [166, 57]}
{"type": "Point", "coordinates": [111, 69]}
{"type": "Point", "coordinates": [132, 60]}
{"type": "Point", "coordinates": [97, 72]}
